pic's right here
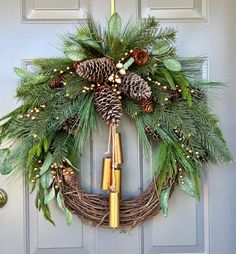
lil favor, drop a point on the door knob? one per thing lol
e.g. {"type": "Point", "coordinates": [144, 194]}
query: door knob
{"type": "Point", "coordinates": [3, 198]}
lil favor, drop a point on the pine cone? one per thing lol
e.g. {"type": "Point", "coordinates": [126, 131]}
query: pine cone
{"type": "Point", "coordinates": [147, 105]}
{"type": "Point", "coordinates": [57, 82]}
{"type": "Point", "coordinates": [107, 104]}
{"type": "Point", "coordinates": [96, 70]}
{"type": "Point", "coordinates": [135, 87]}
{"type": "Point", "coordinates": [70, 124]}
{"type": "Point", "coordinates": [140, 56]}
{"type": "Point", "coordinates": [173, 95]}
{"type": "Point", "coordinates": [71, 178]}
{"type": "Point", "coordinates": [199, 94]}
{"type": "Point", "coordinates": [152, 133]}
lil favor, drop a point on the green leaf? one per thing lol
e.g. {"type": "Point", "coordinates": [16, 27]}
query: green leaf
{"type": "Point", "coordinates": [75, 53]}
{"type": "Point", "coordinates": [47, 214]}
{"type": "Point", "coordinates": [114, 25]}
{"type": "Point", "coordinates": [161, 48]}
{"type": "Point", "coordinates": [168, 78]}
{"type": "Point", "coordinates": [69, 162]}
{"type": "Point", "coordinates": [51, 195]}
{"type": "Point", "coordinates": [172, 64]}
{"type": "Point", "coordinates": [39, 150]}
{"type": "Point", "coordinates": [33, 77]}
{"type": "Point", "coordinates": [61, 205]}
{"type": "Point", "coordinates": [164, 200]}
{"type": "Point", "coordinates": [4, 154]}
{"type": "Point", "coordinates": [46, 180]}
{"type": "Point", "coordinates": [60, 202]}
{"type": "Point", "coordinates": [47, 163]}
{"type": "Point", "coordinates": [46, 144]}
{"type": "Point", "coordinates": [5, 169]}
{"type": "Point", "coordinates": [197, 188]}
{"type": "Point", "coordinates": [128, 63]}
{"type": "Point", "coordinates": [69, 217]}
{"type": "Point", "coordinates": [32, 153]}
{"type": "Point", "coordinates": [187, 184]}
{"type": "Point", "coordinates": [85, 40]}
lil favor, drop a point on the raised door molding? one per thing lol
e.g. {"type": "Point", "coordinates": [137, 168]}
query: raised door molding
{"type": "Point", "coordinates": [174, 10]}
{"type": "Point", "coordinates": [54, 11]}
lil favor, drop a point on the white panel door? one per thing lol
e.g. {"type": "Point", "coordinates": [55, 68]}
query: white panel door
{"type": "Point", "coordinates": [30, 29]}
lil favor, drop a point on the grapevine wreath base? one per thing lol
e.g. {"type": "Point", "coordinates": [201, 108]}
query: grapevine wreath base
{"type": "Point", "coordinates": [93, 209]}
{"type": "Point", "coordinates": [130, 70]}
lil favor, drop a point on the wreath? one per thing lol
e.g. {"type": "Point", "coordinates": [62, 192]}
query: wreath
{"type": "Point", "coordinates": [130, 70]}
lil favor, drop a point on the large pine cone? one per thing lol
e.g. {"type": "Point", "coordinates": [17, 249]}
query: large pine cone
{"type": "Point", "coordinates": [135, 87]}
{"type": "Point", "coordinates": [96, 70]}
{"type": "Point", "coordinates": [107, 104]}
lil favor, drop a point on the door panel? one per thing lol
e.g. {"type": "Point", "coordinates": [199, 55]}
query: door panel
{"type": "Point", "coordinates": [30, 29]}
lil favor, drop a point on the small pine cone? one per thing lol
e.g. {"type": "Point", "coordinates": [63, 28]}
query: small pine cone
{"type": "Point", "coordinates": [147, 105]}
{"type": "Point", "coordinates": [96, 70]}
{"type": "Point", "coordinates": [140, 56]}
{"type": "Point", "coordinates": [152, 133]}
{"type": "Point", "coordinates": [107, 104]}
{"type": "Point", "coordinates": [57, 82]}
{"type": "Point", "coordinates": [199, 94]}
{"type": "Point", "coordinates": [71, 178]}
{"type": "Point", "coordinates": [174, 95]}
{"type": "Point", "coordinates": [135, 87]}
{"type": "Point", "coordinates": [70, 124]}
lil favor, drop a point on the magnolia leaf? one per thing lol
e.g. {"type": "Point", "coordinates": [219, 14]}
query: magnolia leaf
{"type": "Point", "coordinates": [161, 48]}
{"type": "Point", "coordinates": [87, 41]}
{"type": "Point", "coordinates": [47, 163]}
{"type": "Point", "coordinates": [69, 162]}
{"type": "Point", "coordinates": [4, 155]}
{"type": "Point", "coordinates": [164, 200]}
{"type": "Point", "coordinates": [51, 195]}
{"type": "Point", "coordinates": [5, 169]}
{"type": "Point", "coordinates": [114, 25]}
{"type": "Point", "coordinates": [46, 180]}
{"type": "Point", "coordinates": [60, 201]}
{"type": "Point", "coordinates": [69, 217]}
{"type": "Point", "coordinates": [128, 63]}
{"type": "Point", "coordinates": [187, 184]}
{"type": "Point", "coordinates": [47, 214]}
{"type": "Point", "coordinates": [61, 205]}
{"type": "Point", "coordinates": [172, 64]}
{"type": "Point", "coordinates": [75, 53]}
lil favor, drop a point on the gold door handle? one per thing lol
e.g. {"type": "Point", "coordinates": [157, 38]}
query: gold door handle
{"type": "Point", "coordinates": [3, 198]}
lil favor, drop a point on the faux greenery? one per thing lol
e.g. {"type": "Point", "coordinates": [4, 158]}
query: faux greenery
{"type": "Point", "coordinates": [32, 135]}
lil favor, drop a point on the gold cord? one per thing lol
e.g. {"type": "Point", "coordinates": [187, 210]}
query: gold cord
{"type": "Point", "coordinates": [108, 152]}
{"type": "Point", "coordinates": [112, 7]}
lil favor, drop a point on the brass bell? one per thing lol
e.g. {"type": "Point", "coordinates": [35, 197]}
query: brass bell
{"type": "Point", "coordinates": [114, 209]}
{"type": "Point", "coordinates": [106, 173]}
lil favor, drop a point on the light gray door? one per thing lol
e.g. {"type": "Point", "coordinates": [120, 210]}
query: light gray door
{"type": "Point", "coordinates": [30, 29]}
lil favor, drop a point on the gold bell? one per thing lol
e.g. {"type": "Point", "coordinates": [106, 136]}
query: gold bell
{"type": "Point", "coordinates": [118, 149]}
{"type": "Point", "coordinates": [118, 180]}
{"type": "Point", "coordinates": [106, 173]}
{"type": "Point", "coordinates": [114, 210]}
